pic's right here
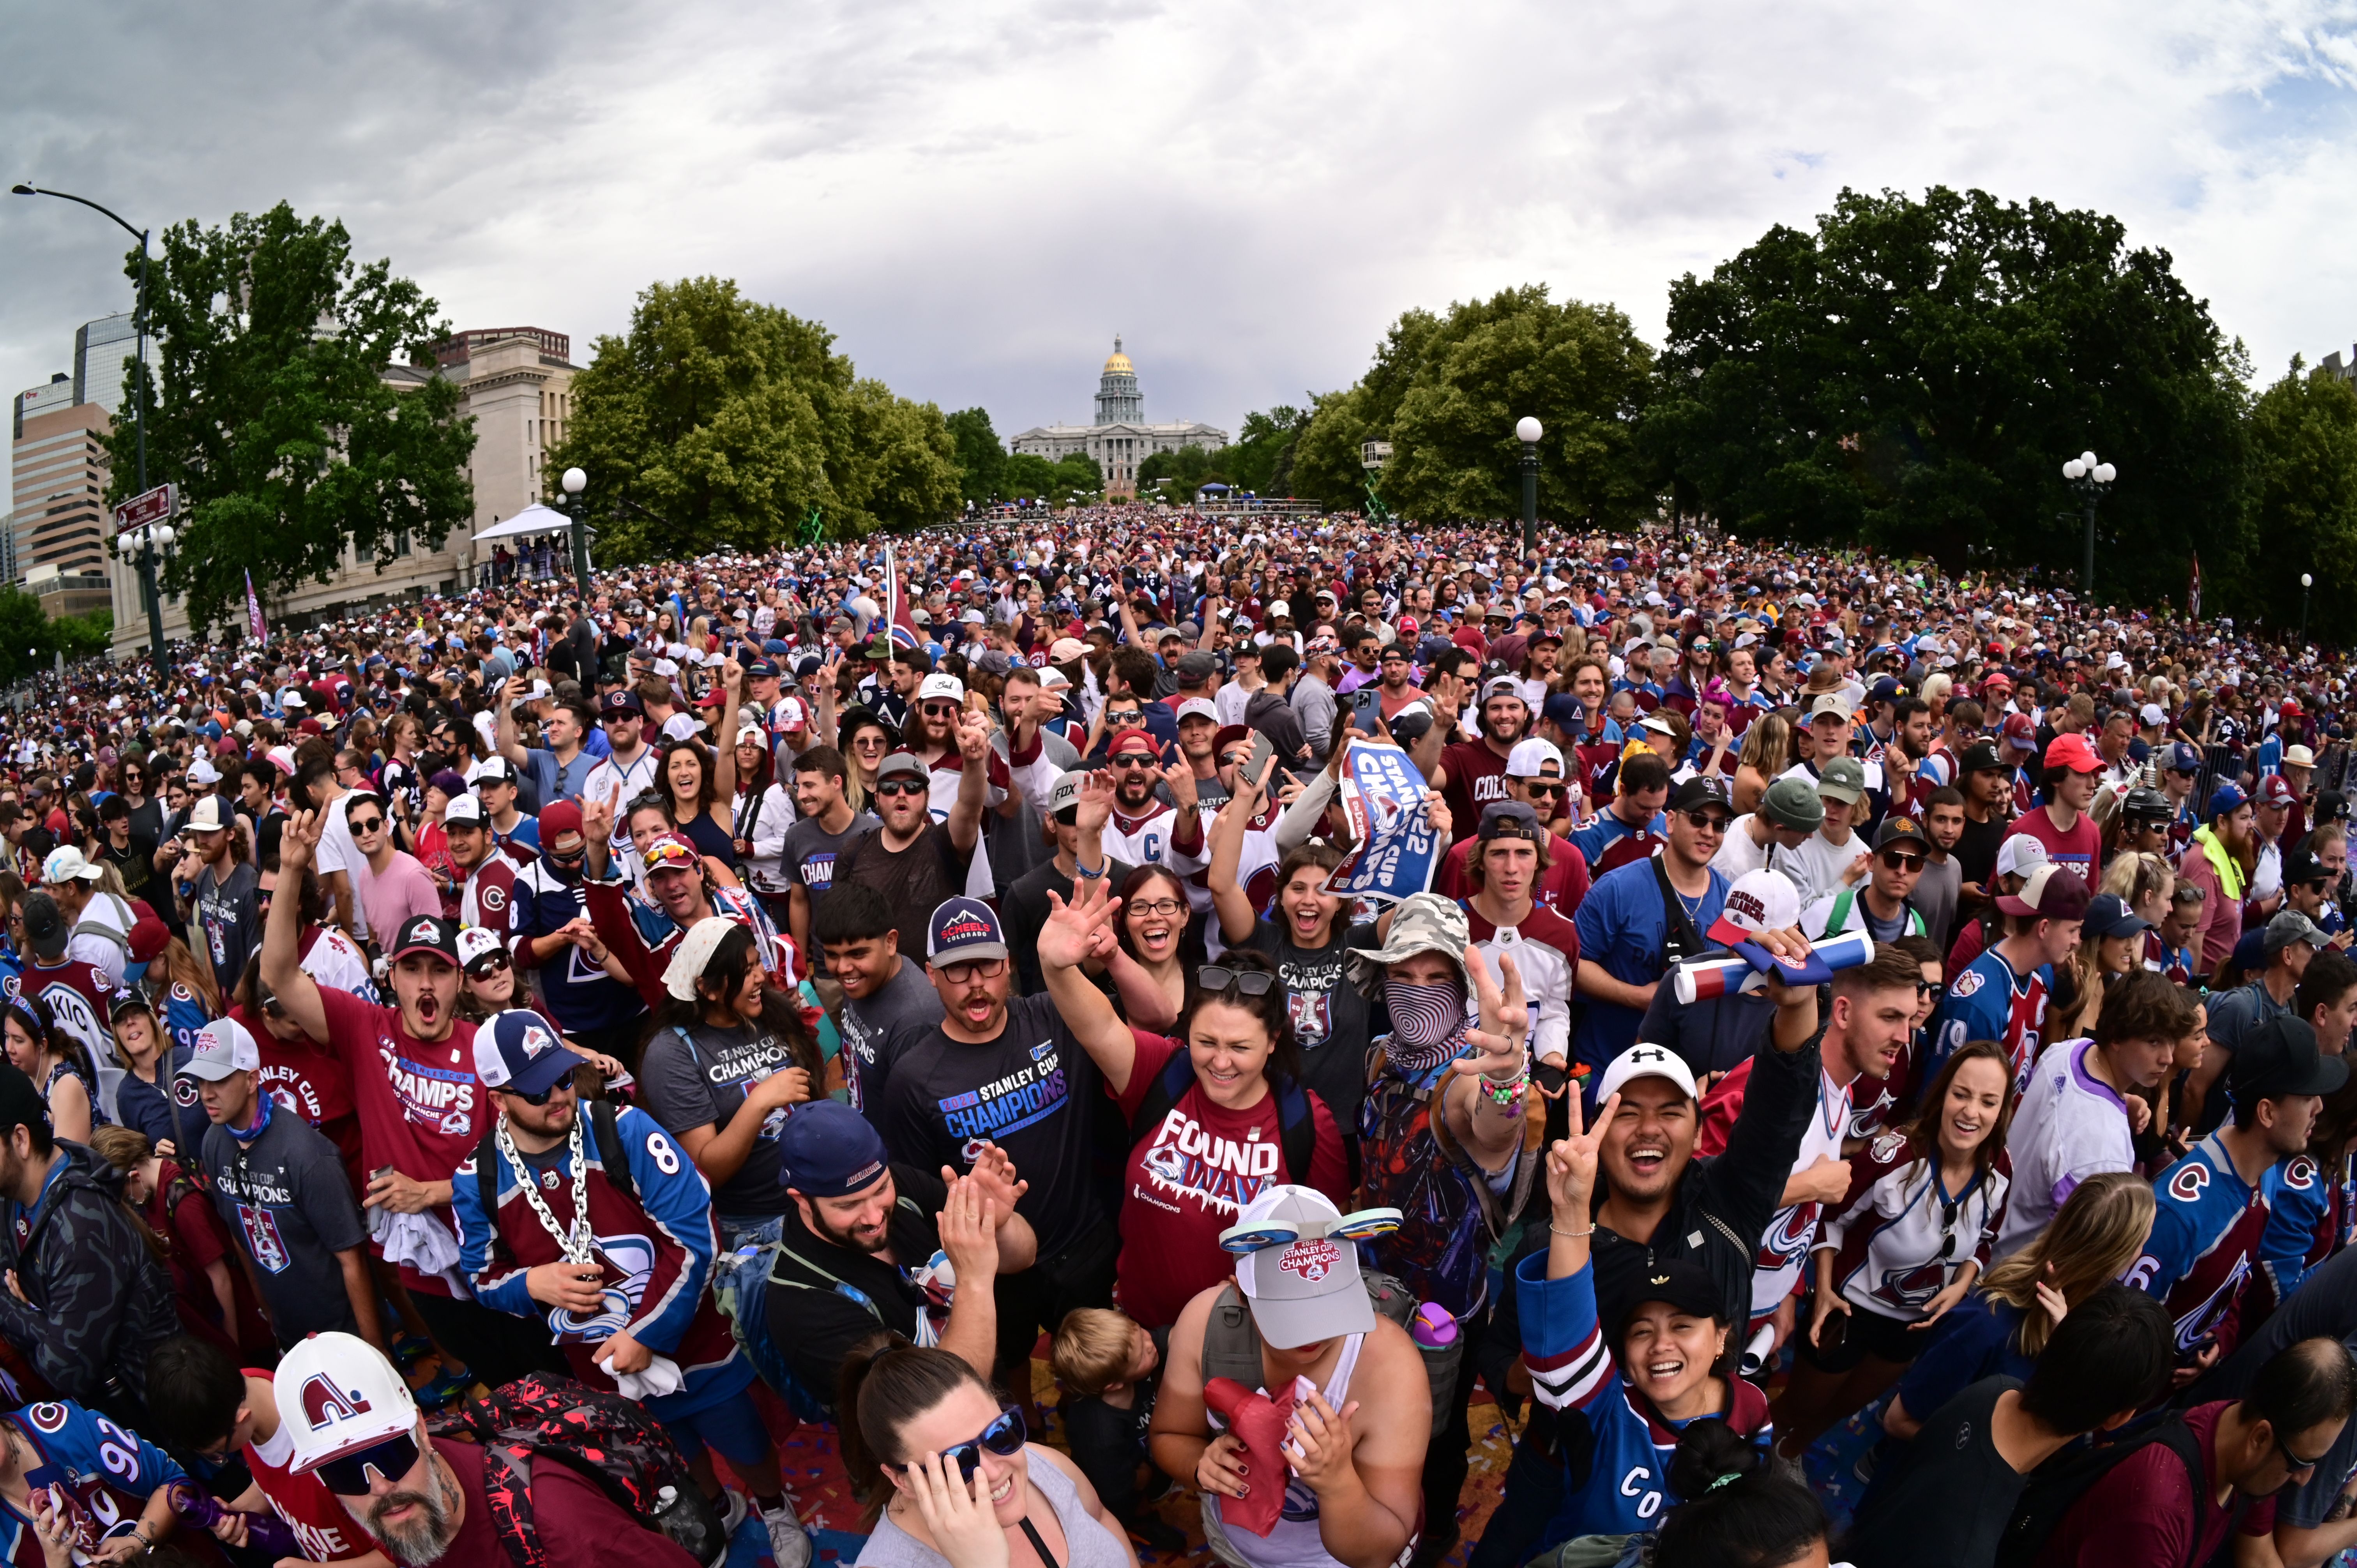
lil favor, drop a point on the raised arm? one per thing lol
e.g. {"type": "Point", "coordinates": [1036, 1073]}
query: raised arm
{"type": "Point", "coordinates": [1228, 900]}
{"type": "Point", "coordinates": [511, 745]}
{"type": "Point", "coordinates": [1069, 937]}
{"type": "Point", "coordinates": [282, 964]}
{"type": "Point", "coordinates": [974, 780]}
{"type": "Point", "coordinates": [724, 748]}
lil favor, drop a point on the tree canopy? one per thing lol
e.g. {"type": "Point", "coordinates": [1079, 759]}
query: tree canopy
{"type": "Point", "coordinates": [720, 421]}
{"type": "Point", "coordinates": [273, 416]}
{"type": "Point", "coordinates": [2303, 503]}
{"type": "Point", "coordinates": [1913, 373]}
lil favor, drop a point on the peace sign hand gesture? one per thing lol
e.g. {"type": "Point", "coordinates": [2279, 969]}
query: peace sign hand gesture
{"type": "Point", "coordinates": [1505, 1018]}
{"type": "Point", "coordinates": [1571, 1164]}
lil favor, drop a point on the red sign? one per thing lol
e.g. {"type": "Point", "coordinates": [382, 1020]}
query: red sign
{"type": "Point", "coordinates": [154, 506]}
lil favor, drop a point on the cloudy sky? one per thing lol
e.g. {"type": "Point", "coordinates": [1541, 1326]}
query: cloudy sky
{"type": "Point", "coordinates": [977, 197]}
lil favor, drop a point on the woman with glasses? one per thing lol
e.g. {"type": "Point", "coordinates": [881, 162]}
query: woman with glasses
{"type": "Point", "coordinates": [1154, 948]}
{"type": "Point", "coordinates": [1905, 1246]}
{"type": "Point", "coordinates": [951, 1477]}
{"type": "Point", "coordinates": [1215, 1114]}
{"type": "Point", "coordinates": [867, 740]}
{"type": "Point", "coordinates": [146, 812]}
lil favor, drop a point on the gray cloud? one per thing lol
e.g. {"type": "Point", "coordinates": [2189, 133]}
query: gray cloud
{"type": "Point", "coordinates": [976, 198]}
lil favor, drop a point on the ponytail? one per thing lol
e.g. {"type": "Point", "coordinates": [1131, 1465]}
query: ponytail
{"type": "Point", "coordinates": [1739, 1512]}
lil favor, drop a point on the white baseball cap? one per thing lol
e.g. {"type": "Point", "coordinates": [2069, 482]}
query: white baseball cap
{"type": "Point", "coordinates": [336, 1394]}
{"type": "Point", "coordinates": [1197, 708]}
{"type": "Point", "coordinates": [1762, 900]}
{"type": "Point", "coordinates": [222, 1047]}
{"type": "Point", "coordinates": [1642, 1060]}
{"type": "Point", "coordinates": [66, 864]}
{"type": "Point", "coordinates": [939, 685]}
{"type": "Point", "coordinates": [1529, 759]}
{"type": "Point", "coordinates": [475, 942]}
{"type": "Point", "coordinates": [2020, 855]}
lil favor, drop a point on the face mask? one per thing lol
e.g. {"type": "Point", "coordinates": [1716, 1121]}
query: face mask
{"type": "Point", "coordinates": [1428, 1023]}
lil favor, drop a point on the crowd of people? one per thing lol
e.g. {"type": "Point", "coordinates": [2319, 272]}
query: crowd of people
{"type": "Point", "coordinates": [608, 1026]}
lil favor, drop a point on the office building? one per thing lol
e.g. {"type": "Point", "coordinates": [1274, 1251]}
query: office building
{"type": "Point", "coordinates": [103, 350]}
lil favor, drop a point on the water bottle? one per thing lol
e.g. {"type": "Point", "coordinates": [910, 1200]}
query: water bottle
{"type": "Point", "coordinates": [1434, 1328]}
{"type": "Point", "coordinates": [264, 1532]}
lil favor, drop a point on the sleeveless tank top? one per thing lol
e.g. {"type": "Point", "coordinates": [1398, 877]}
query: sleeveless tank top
{"type": "Point", "coordinates": [1294, 1543]}
{"type": "Point", "coordinates": [1087, 1543]}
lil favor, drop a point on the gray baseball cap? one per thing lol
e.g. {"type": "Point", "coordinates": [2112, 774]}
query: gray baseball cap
{"type": "Point", "coordinates": [1843, 779]}
{"type": "Point", "coordinates": [2290, 927]}
{"type": "Point", "coordinates": [1307, 1289]}
{"type": "Point", "coordinates": [1790, 803]}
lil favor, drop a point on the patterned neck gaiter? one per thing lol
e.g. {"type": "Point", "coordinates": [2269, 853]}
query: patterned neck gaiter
{"type": "Point", "coordinates": [1429, 1024]}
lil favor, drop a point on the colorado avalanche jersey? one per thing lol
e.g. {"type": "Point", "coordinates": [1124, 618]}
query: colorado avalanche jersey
{"type": "Point", "coordinates": [103, 1473]}
{"type": "Point", "coordinates": [1990, 1001]}
{"type": "Point", "coordinates": [1900, 1236]}
{"type": "Point", "coordinates": [2309, 1218]}
{"type": "Point", "coordinates": [2204, 1243]}
{"type": "Point", "coordinates": [656, 1253]}
{"type": "Point", "coordinates": [1145, 840]}
{"type": "Point", "coordinates": [1572, 1368]}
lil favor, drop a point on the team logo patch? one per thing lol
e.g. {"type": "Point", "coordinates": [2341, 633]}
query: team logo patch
{"type": "Point", "coordinates": [262, 1237]}
{"type": "Point", "coordinates": [324, 1404]}
{"type": "Point", "coordinates": [2300, 1174]}
{"type": "Point", "coordinates": [47, 1417]}
{"type": "Point", "coordinates": [2187, 1185]}
{"type": "Point", "coordinates": [1886, 1146]}
{"type": "Point", "coordinates": [1310, 1260]}
{"type": "Point", "coordinates": [1967, 983]}
{"type": "Point", "coordinates": [494, 899]}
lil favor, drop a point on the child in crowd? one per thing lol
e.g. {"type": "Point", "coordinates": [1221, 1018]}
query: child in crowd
{"type": "Point", "coordinates": [1111, 1369]}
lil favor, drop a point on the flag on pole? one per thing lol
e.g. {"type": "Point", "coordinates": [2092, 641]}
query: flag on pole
{"type": "Point", "coordinates": [2193, 591]}
{"type": "Point", "coordinates": [253, 625]}
{"type": "Point", "coordinates": [903, 630]}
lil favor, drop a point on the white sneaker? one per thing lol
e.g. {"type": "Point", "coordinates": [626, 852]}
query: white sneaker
{"type": "Point", "coordinates": [790, 1543]}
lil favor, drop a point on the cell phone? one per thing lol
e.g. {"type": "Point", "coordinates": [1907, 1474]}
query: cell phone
{"type": "Point", "coordinates": [1264, 752]}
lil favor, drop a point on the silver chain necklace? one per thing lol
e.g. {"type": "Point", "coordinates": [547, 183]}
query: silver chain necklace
{"type": "Point", "coordinates": [578, 1246]}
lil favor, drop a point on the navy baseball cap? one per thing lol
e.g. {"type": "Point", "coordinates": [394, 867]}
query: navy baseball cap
{"type": "Point", "coordinates": [624, 701]}
{"type": "Point", "coordinates": [2184, 758]}
{"type": "Point", "coordinates": [760, 670]}
{"type": "Point", "coordinates": [1563, 711]}
{"type": "Point", "coordinates": [962, 930]}
{"type": "Point", "coordinates": [828, 1149]}
{"type": "Point", "coordinates": [517, 1050]}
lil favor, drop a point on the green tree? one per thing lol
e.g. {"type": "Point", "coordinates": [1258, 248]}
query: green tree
{"type": "Point", "coordinates": [719, 421]}
{"type": "Point", "coordinates": [1026, 476]}
{"type": "Point", "coordinates": [1328, 462]}
{"type": "Point", "coordinates": [29, 640]}
{"type": "Point", "coordinates": [2303, 502]}
{"type": "Point", "coordinates": [1188, 469]}
{"type": "Point", "coordinates": [1912, 374]}
{"type": "Point", "coordinates": [981, 459]}
{"type": "Point", "coordinates": [273, 415]}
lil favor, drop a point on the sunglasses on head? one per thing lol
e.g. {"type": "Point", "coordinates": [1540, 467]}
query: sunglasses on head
{"type": "Point", "coordinates": [1004, 1437]}
{"type": "Point", "coordinates": [347, 1474]}
{"type": "Point", "coordinates": [902, 786]}
{"type": "Point", "coordinates": [1218, 981]}
{"type": "Point", "coordinates": [1899, 859]}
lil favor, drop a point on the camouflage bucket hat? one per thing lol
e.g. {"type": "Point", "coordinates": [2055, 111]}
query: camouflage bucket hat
{"type": "Point", "coordinates": [1423, 922]}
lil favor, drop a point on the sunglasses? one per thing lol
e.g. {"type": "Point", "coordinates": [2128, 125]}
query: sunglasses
{"type": "Point", "coordinates": [562, 1085]}
{"type": "Point", "coordinates": [1217, 981]}
{"type": "Point", "coordinates": [489, 963]}
{"type": "Point", "coordinates": [347, 1475]}
{"type": "Point", "coordinates": [371, 825]}
{"type": "Point", "coordinates": [868, 743]}
{"type": "Point", "coordinates": [1004, 1437]}
{"type": "Point", "coordinates": [902, 786]}
{"type": "Point", "coordinates": [1934, 989]}
{"type": "Point", "coordinates": [1899, 859]}
{"type": "Point", "coordinates": [1539, 787]}
{"type": "Point", "coordinates": [1134, 763]}
{"type": "Point", "coordinates": [1707, 821]}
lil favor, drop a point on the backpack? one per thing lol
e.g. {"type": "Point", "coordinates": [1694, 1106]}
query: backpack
{"type": "Point", "coordinates": [609, 1154]}
{"type": "Point", "coordinates": [1453, 1222]}
{"type": "Point", "coordinates": [1296, 1126]}
{"type": "Point", "coordinates": [2055, 1486]}
{"type": "Point", "coordinates": [604, 1438]}
{"type": "Point", "coordinates": [1231, 1341]}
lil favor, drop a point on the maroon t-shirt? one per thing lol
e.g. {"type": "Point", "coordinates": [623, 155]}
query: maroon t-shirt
{"type": "Point", "coordinates": [1477, 776]}
{"type": "Point", "coordinates": [579, 1525]}
{"type": "Point", "coordinates": [2142, 1512]}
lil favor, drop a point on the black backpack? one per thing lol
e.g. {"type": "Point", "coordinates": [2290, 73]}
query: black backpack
{"type": "Point", "coordinates": [609, 1154]}
{"type": "Point", "coordinates": [2056, 1487]}
{"type": "Point", "coordinates": [1296, 1126]}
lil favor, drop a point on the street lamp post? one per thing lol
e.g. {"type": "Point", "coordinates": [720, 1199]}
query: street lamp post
{"type": "Point", "coordinates": [575, 482]}
{"type": "Point", "coordinates": [2093, 480]}
{"type": "Point", "coordinates": [1528, 431]}
{"type": "Point", "coordinates": [147, 556]}
{"type": "Point", "coordinates": [2307, 581]}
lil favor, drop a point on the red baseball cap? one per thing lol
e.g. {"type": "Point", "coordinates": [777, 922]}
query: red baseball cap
{"type": "Point", "coordinates": [2075, 752]}
{"type": "Point", "coordinates": [2018, 731]}
{"type": "Point", "coordinates": [1134, 740]}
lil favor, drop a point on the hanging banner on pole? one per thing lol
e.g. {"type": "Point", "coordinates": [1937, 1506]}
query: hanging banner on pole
{"type": "Point", "coordinates": [1382, 798]}
{"type": "Point", "coordinates": [253, 624]}
{"type": "Point", "coordinates": [2193, 591]}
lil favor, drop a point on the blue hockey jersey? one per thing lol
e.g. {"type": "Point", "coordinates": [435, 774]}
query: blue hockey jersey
{"type": "Point", "coordinates": [2204, 1248]}
{"type": "Point", "coordinates": [104, 1474]}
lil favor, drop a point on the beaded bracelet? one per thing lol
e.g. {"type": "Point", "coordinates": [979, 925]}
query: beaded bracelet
{"type": "Point", "coordinates": [1506, 1096]}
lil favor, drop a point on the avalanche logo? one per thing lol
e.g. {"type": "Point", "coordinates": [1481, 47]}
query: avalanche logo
{"type": "Point", "coordinates": [2187, 1185]}
{"type": "Point", "coordinates": [1310, 1260]}
{"type": "Point", "coordinates": [1967, 983]}
{"type": "Point", "coordinates": [1912, 1287]}
{"type": "Point", "coordinates": [262, 1236]}
{"type": "Point", "coordinates": [1788, 1235]}
{"type": "Point", "coordinates": [633, 1259]}
{"type": "Point", "coordinates": [1164, 1162]}
{"type": "Point", "coordinates": [2300, 1174]}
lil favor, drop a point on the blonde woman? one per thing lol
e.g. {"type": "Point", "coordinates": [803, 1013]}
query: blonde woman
{"type": "Point", "coordinates": [1767, 752]}
{"type": "Point", "coordinates": [2111, 944]}
{"type": "Point", "coordinates": [2002, 1325]}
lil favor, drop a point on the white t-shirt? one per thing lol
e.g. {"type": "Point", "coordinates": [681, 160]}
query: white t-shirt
{"type": "Point", "coordinates": [337, 852]}
{"type": "Point", "coordinates": [1815, 865]}
{"type": "Point", "coordinates": [1737, 852]}
{"type": "Point", "coordinates": [2071, 1125]}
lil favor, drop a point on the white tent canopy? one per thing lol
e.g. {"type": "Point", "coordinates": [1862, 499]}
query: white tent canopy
{"type": "Point", "coordinates": [534, 519]}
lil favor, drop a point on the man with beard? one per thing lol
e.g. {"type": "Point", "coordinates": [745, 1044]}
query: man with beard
{"type": "Point", "coordinates": [1639, 919]}
{"type": "Point", "coordinates": [222, 891]}
{"type": "Point", "coordinates": [589, 1223]}
{"type": "Point", "coordinates": [1473, 772]}
{"type": "Point", "coordinates": [420, 1105]}
{"type": "Point", "coordinates": [863, 1220]}
{"type": "Point", "coordinates": [1144, 829]}
{"type": "Point", "coordinates": [913, 859]}
{"type": "Point", "coordinates": [2219, 861]}
{"type": "Point", "coordinates": [587, 990]}
{"type": "Point", "coordinates": [352, 1423]}
{"type": "Point", "coordinates": [933, 735]}
{"type": "Point", "coordinates": [642, 939]}
{"type": "Point", "coordinates": [1008, 1074]}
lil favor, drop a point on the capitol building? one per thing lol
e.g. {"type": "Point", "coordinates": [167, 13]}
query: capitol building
{"type": "Point", "coordinates": [1120, 439]}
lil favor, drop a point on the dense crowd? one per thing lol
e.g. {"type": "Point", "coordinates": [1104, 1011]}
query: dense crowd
{"type": "Point", "coordinates": [1867, 1080]}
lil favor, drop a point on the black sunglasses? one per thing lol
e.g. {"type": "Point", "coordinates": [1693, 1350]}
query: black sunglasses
{"type": "Point", "coordinates": [489, 963]}
{"type": "Point", "coordinates": [1713, 821]}
{"type": "Point", "coordinates": [371, 825]}
{"type": "Point", "coordinates": [902, 786]}
{"type": "Point", "coordinates": [1899, 859]}
{"type": "Point", "coordinates": [1551, 791]}
{"type": "Point", "coordinates": [1004, 1437]}
{"type": "Point", "coordinates": [1217, 981]}
{"type": "Point", "coordinates": [347, 1475]}
{"type": "Point", "coordinates": [541, 1098]}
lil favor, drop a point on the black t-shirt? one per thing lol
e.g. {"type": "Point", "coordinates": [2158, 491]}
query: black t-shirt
{"type": "Point", "coordinates": [1025, 908]}
{"type": "Point", "coordinates": [137, 865]}
{"type": "Point", "coordinates": [1108, 1443]}
{"type": "Point", "coordinates": [1976, 851]}
{"type": "Point", "coordinates": [817, 1324]}
{"type": "Point", "coordinates": [875, 1026]}
{"type": "Point", "coordinates": [1332, 1023]}
{"type": "Point", "coordinates": [1944, 1501]}
{"type": "Point", "coordinates": [1033, 1091]}
{"type": "Point", "coordinates": [287, 1200]}
{"type": "Point", "coordinates": [1715, 1035]}
{"type": "Point", "coordinates": [913, 881]}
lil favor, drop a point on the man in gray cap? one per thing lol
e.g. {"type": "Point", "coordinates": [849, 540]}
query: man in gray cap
{"type": "Point", "coordinates": [1026, 903]}
{"type": "Point", "coordinates": [1788, 812]}
{"type": "Point", "coordinates": [2290, 940]}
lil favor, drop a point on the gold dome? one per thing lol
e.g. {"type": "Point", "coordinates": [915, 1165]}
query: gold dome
{"type": "Point", "coordinates": [1119, 364]}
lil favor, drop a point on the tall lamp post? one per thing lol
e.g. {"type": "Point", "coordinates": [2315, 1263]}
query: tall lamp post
{"type": "Point", "coordinates": [2307, 581]}
{"type": "Point", "coordinates": [148, 553]}
{"type": "Point", "coordinates": [1528, 431]}
{"type": "Point", "coordinates": [2093, 480]}
{"type": "Point", "coordinates": [575, 482]}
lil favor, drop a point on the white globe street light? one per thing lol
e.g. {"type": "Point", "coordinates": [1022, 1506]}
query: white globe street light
{"type": "Point", "coordinates": [1528, 430]}
{"type": "Point", "coordinates": [574, 481]}
{"type": "Point", "coordinates": [2091, 480]}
